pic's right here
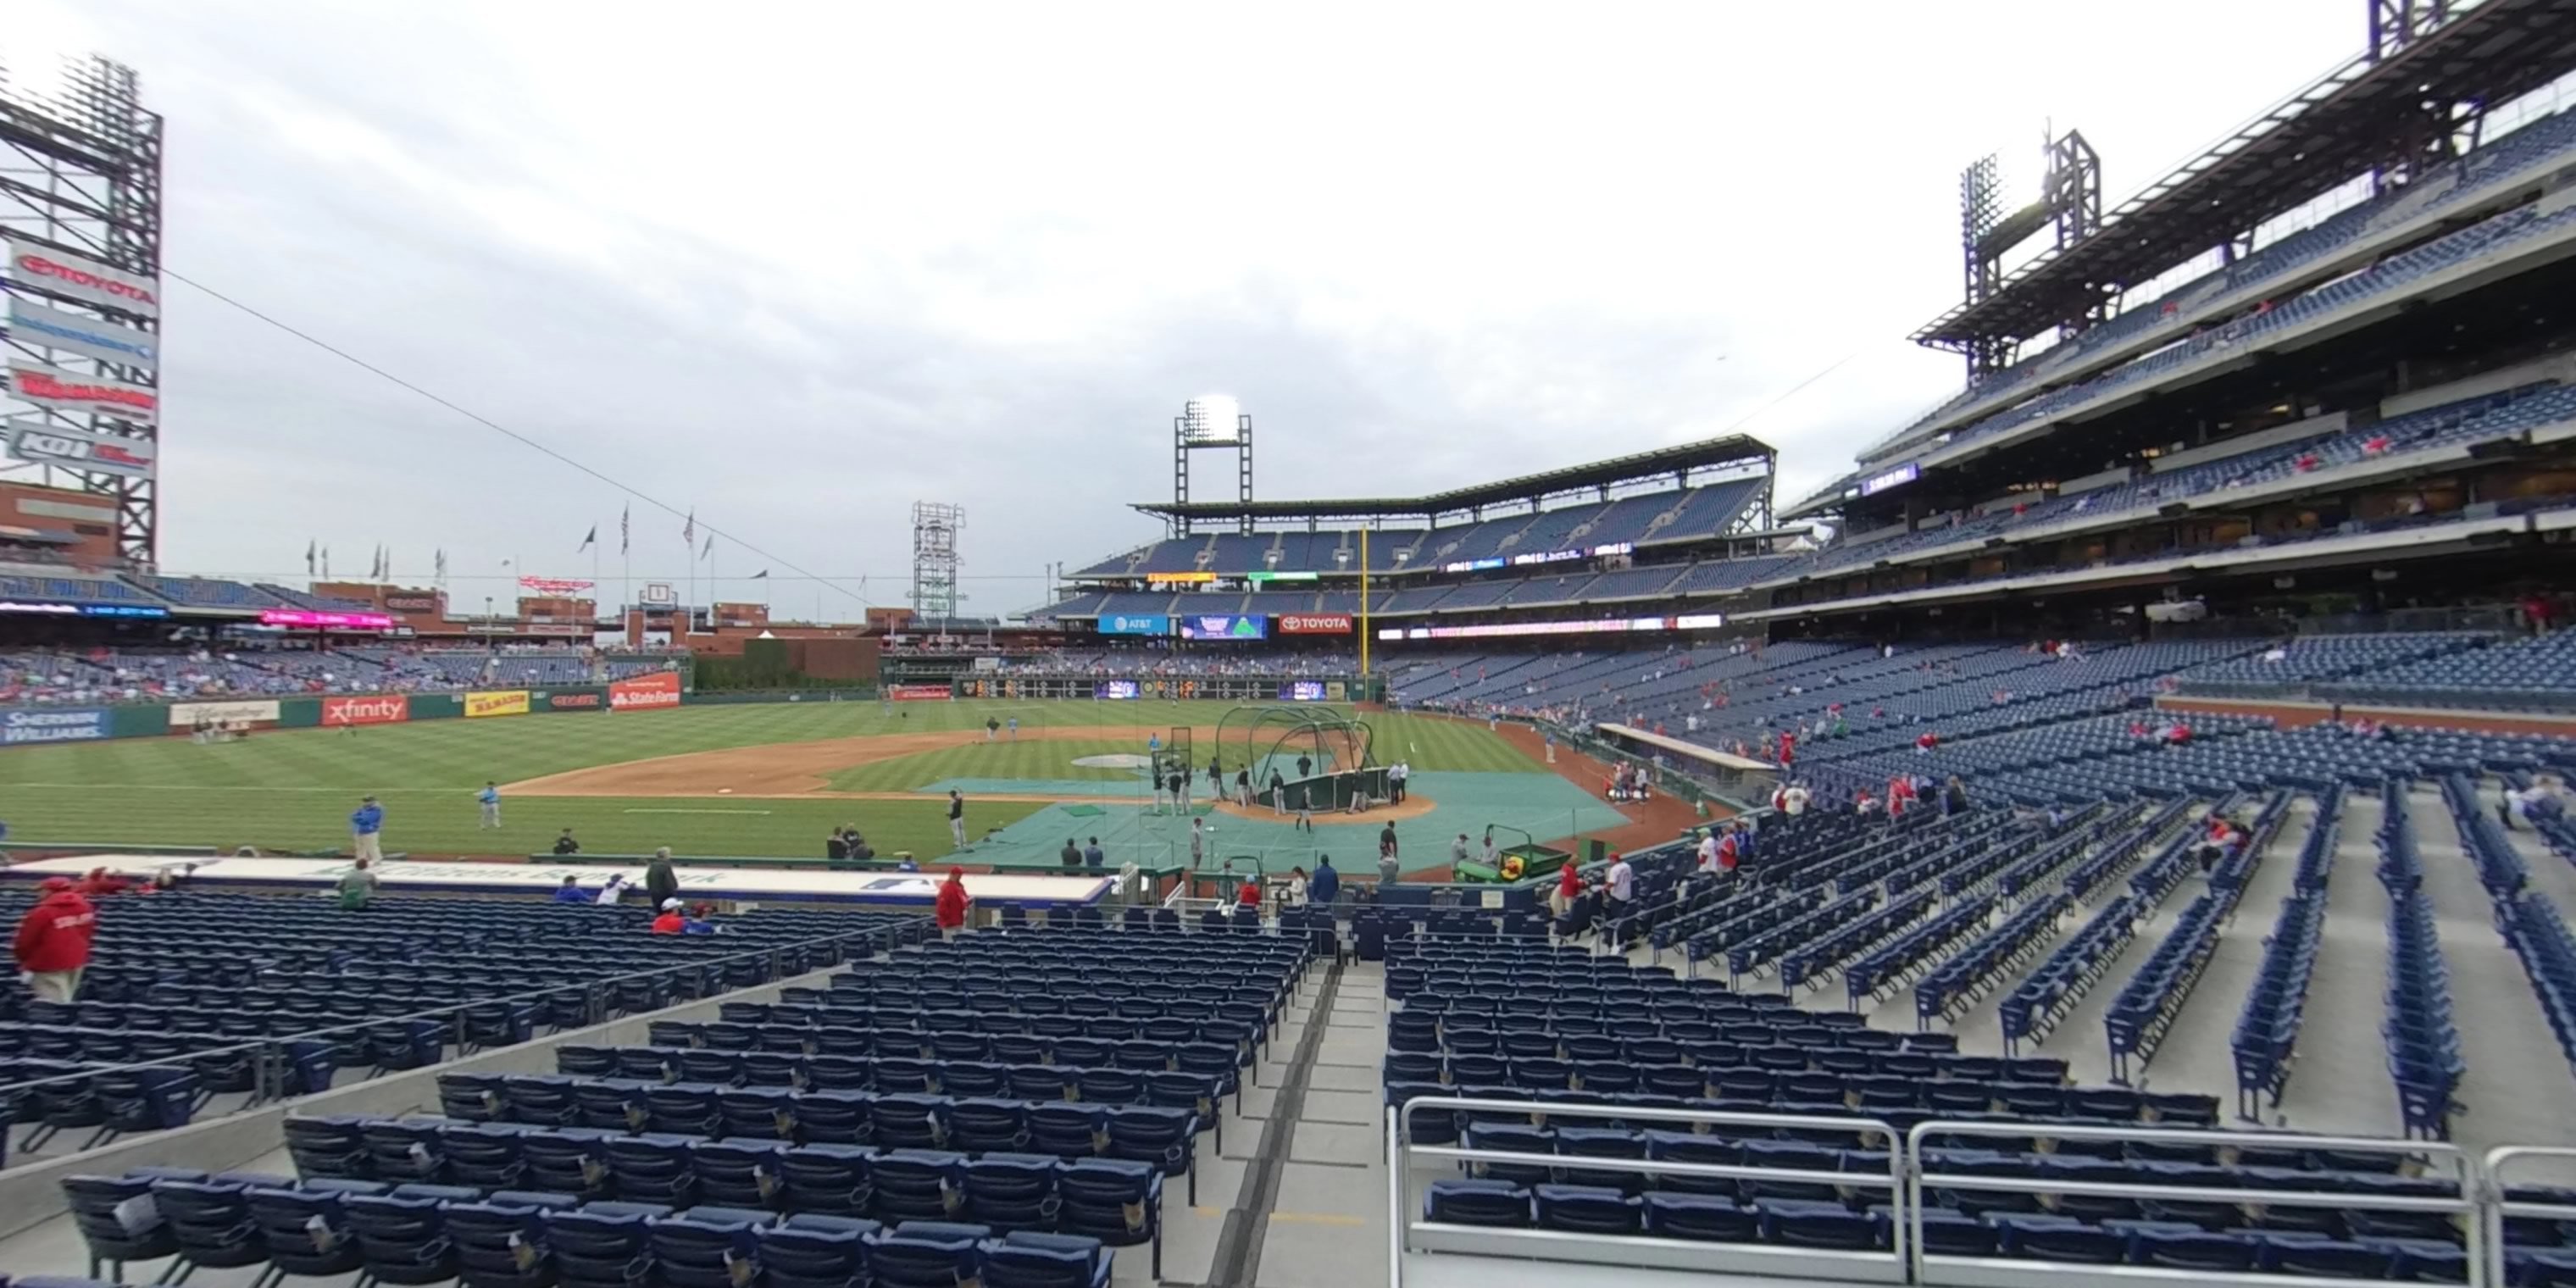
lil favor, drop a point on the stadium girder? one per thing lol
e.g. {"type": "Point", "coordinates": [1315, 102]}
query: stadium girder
{"type": "Point", "coordinates": [2360, 118]}
{"type": "Point", "coordinates": [1677, 461]}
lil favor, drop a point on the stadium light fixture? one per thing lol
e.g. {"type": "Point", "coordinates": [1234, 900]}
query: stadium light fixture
{"type": "Point", "coordinates": [1212, 419]}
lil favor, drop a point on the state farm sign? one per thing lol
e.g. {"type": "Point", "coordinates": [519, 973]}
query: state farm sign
{"type": "Point", "coordinates": [1314, 623]}
{"type": "Point", "coordinates": [660, 689]}
{"type": "Point", "coordinates": [391, 708]}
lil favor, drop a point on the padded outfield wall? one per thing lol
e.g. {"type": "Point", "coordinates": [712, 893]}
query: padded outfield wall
{"type": "Point", "coordinates": [36, 726]}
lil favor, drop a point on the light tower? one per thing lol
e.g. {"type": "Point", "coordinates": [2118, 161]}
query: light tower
{"type": "Point", "coordinates": [934, 558]}
{"type": "Point", "coordinates": [1216, 422]}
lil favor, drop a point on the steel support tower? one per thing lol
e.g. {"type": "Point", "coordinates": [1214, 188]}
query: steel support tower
{"type": "Point", "coordinates": [1204, 426]}
{"type": "Point", "coordinates": [935, 525]}
{"type": "Point", "coordinates": [81, 174]}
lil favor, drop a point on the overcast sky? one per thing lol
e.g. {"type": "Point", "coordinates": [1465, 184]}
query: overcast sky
{"type": "Point", "coordinates": [800, 265]}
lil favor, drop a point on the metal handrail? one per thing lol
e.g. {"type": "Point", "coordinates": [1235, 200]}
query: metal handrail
{"type": "Point", "coordinates": [2497, 1206]}
{"type": "Point", "coordinates": [1399, 1150]}
{"type": "Point", "coordinates": [2467, 1203]}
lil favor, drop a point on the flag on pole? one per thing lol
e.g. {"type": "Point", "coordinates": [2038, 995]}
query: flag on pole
{"type": "Point", "coordinates": [588, 541]}
{"type": "Point", "coordinates": [308, 556]}
{"type": "Point", "coordinates": [326, 561]}
{"type": "Point", "coordinates": [760, 574]}
{"type": "Point", "coordinates": [711, 546]}
{"type": "Point", "coordinates": [622, 514]}
{"type": "Point", "coordinates": [442, 563]}
{"type": "Point", "coordinates": [689, 530]}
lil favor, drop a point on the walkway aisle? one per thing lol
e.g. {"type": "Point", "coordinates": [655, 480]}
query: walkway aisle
{"type": "Point", "coordinates": [1315, 1208]}
{"type": "Point", "coordinates": [2518, 1086]}
{"type": "Point", "coordinates": [2196, 1055]}
{"type": "Point", "coordinates": [2338, 1082]}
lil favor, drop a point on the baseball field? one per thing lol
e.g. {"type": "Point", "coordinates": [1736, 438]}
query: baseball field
{"type": "Point", "coordinates": [759, 780]}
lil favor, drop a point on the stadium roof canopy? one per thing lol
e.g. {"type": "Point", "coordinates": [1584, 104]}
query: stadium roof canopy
{"type": "Point", "coordinates": [1732, 449]}
{"type": "Point", "coordinates": [2334, 129]}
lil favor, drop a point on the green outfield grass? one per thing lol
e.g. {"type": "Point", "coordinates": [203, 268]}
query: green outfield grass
{"type": "Point", "coordinates": [293, 789]}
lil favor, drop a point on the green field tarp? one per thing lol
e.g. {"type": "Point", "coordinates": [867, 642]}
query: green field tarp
{"type": "Point", "coordinates": [299, 713]}
{"type": "Point", "coordinates": [138, 722]}
{"type": "Point", "coordinates": [437, 706]}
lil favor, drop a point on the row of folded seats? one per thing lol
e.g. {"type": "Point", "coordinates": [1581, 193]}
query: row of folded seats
{"type": "Point", "coordinates": [1162, 1082]}
{"type": "Point", "coordinates": [1901, 1099]}
{"type": "Point", "coordinates": [1062, 1156]}
{"type": "Point", "coordinates": [967, 1036]}
{"type": "Point", "coordinates": [1157, 1122]}
{"type": "Point", "coordinates": [1814, 1225]}
{"type": "Point", "coordinates": [430, 1234]}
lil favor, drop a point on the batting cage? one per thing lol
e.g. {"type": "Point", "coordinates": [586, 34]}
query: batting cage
{"type": "Point", "coordinates": [1312, 758]}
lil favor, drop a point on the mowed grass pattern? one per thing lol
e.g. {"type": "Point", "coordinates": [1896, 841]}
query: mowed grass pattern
{"type": "Point", "coordinates": [293, 789]}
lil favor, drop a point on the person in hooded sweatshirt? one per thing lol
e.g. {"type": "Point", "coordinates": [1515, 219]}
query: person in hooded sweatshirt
{"type": "Point", "coordinates": [950, 910]}
{"type": "Point", "coordinates": [661, 883]}
{"type": "Point", "coordinates": [53, 941]}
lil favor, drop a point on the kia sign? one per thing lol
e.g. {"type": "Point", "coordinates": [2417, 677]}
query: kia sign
{"type": "Point", "coordinates": [660, 689]}
{"type": "Point", "coordinates": [390, 708]}
{"type": "Point", "coordinates": [328, 621]}
{"type": "Point", "coordinates": [65, 275]}
{"type": "Point", "coordinates": [1135, 624]}
{"type": "Point", "coordinates": [74, 449]}
{"type": "Point", "coordinates": [78, 724]}
{"type": "Point", "coordinates": [38, 327]}
{"type": "Point", "coordinates": [70, 391]}
{"type": "Point", "coordinates": [1314, 623]}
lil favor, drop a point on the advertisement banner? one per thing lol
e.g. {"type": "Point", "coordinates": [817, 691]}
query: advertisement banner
{"type": "Point", "coordinates": [78, 277]}
{"type": "Point", "coordinates": [71, 391]}
{"type": "Point", "coordinates": [554, 585]}
{"type": "Point", "coordinates": [384, 708]}
{"type": "Point", "coordinates": [919, 692]}
{"type": "Point", "coordinates": [1135, 624]}
{"type": "Point", "coordinates": [1225, 626]}
{"type": "Point", "coordinates": [47, 608]}
{"type": "Point", "coordinates": [506, 702]}
{"type": "Point", "coordinates": [660, 689]}
{"type": "Point", "coordinates": [243, 711]}
{"type": "Point", "coordinates": [61, 724]}
{"type": "Point", "coordinates": [1314, 623]}
{"type": "Point", "coordinates": [585, 699]}
{"type": "Point", "coordinates": [1302, 691]}
{"type": "Point", "coordinates": [1116, 690]}
{"type": "Point", "coordinates": [330, 620]}
{"type": "Point", "coordinates": [36, 326]}
{"type": "Point", "coordinates": [411, 603]}
{"type": "Point", "coordinates": [31, 439]}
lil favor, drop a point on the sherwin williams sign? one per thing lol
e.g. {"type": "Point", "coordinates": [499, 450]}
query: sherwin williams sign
{"type": "Point", "coordinates": [1136, 624]}
{"type": "Point", "coordinates": [511, 702]}
{"type": "Point", "coordinates": [77, 724]}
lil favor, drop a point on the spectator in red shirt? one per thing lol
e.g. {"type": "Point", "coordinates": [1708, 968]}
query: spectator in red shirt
{"type": "Point", "coordinates": [670, 921]}
{"type": "Point", "coordinates": [1569, 887]}
{"type": "Point", "coordinates": [100, 881]}
{"type": "Point", "coordinates": [1925, 741]}
{"type": "Point", "coordinates": [53, 941]}
{"type": "Point", "coordinates": [950, 909]}
{"type": "Point", "coordinates": [1247, 897]}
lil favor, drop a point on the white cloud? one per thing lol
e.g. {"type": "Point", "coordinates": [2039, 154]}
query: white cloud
{"type": "Point", "coordinates": [800, 265]}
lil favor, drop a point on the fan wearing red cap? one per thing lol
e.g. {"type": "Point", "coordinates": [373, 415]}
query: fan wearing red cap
{"type": "Point", "coordinates": [950, 910]}
{"type": "Point", "coordinates": [53, 941]}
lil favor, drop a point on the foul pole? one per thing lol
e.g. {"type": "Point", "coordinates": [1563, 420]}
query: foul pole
{"type": "Point", "coordinates": [1364, 612]}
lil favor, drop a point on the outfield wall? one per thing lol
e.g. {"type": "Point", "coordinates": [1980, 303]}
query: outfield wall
{"type": "Point", "coordinates": [35, 726]}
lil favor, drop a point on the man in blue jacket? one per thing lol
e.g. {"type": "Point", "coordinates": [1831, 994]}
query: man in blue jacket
{"type": "Point", "coordinates": [366, 830]}
{"type": "Point", "coordinates": [1325, 884]}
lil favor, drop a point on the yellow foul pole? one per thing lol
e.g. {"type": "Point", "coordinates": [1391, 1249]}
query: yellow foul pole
{"type": "Point", "coordinates": [1364, 616]}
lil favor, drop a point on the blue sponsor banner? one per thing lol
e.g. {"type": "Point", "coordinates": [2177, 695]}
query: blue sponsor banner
{"type": "Point", "coordinates": [53, 724]}
{"type": "Point", "coordinates": [1135, 624]}
{"type": "Point", "coordinates": [1117, 690]}
{"type": "Point", "coordinates": [1225, 626]}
